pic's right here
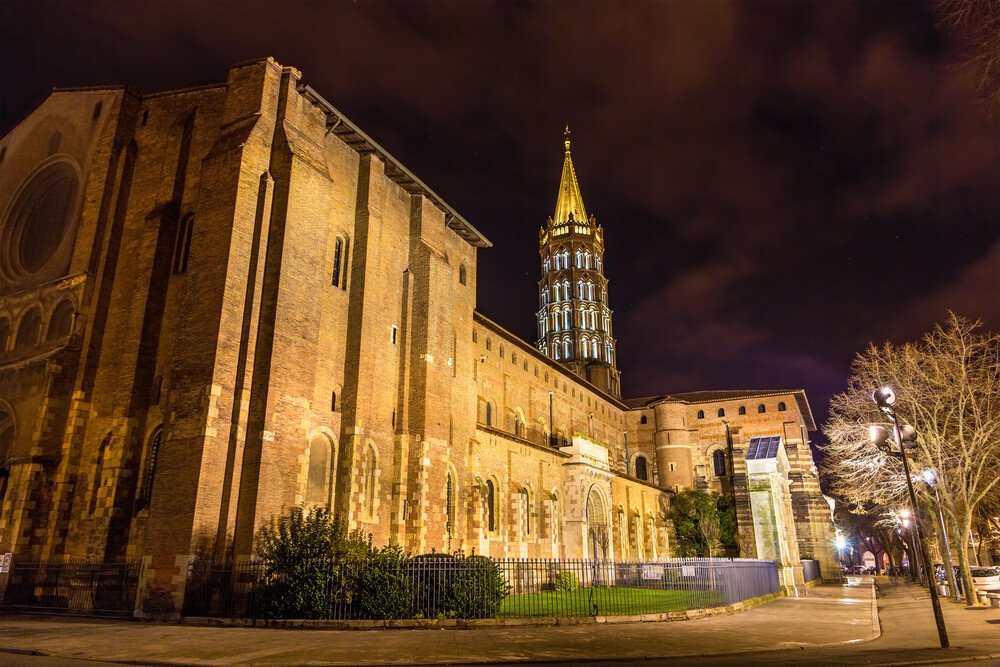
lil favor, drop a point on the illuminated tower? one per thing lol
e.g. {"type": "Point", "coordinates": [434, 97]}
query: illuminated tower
{"type": "Point", "coordinates": [574, 321]}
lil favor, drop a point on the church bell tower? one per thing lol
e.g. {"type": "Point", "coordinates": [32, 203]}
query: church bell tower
{"type": "Point", "coordinates": [574, 320]}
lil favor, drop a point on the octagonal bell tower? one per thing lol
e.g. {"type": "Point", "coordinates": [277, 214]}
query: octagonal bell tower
{"type": "Point", "coordinates": [574, 320]}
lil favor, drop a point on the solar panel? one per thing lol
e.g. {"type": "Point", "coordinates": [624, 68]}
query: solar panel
{"type": "Point", "coordinates": [763, 447]}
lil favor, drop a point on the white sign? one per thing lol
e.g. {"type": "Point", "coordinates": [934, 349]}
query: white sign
{"type": "Point", "coordinates": [5, 563]}
{"type": "Point", "coordinates": [651, 572]}
{"type": "Point", "coordinates": [687, 570]}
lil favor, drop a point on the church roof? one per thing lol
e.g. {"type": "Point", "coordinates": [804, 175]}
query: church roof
{"type": "Point", "coordinates": [569, 200]}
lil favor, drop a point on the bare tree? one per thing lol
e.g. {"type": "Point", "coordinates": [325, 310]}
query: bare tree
{"type": "Point", "coordinates": [974, 28]}
{"type": "Point", "coordinates": [947, 387]}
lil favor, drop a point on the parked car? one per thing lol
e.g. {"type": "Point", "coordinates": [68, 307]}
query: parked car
{"type": "Point", "coordinates": [986, 578]}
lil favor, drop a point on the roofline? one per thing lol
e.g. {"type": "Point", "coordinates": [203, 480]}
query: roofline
{"type": "Point", "coordinates": [342, 126]}
{"type": "Point", "coordinates": [477, 316]}
{"type": "Point", "coordinates": [804, 406]}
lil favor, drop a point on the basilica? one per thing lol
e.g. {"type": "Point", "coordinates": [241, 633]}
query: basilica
{"type": "Point", "coordinates": [220, 302]}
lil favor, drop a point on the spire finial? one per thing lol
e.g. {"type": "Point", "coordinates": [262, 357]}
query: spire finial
{"type": "Point", "coordinates": [566, 134]}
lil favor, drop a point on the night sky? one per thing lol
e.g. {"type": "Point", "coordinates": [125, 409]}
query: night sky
{"type": "Point", "coordinates": [779, 183]}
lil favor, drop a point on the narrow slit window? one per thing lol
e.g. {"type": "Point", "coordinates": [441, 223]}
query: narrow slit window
{"type": "Point", "coordinates": [182, 248]}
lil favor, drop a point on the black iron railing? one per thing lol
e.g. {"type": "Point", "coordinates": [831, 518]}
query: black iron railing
{"type": "Point", "coordinates": [74, 587]}
{"type": "Point", "coordinates": [441, 586]}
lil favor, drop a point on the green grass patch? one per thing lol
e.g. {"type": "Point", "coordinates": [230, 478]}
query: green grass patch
{"type": "Point", "coordinates": [611, 601]}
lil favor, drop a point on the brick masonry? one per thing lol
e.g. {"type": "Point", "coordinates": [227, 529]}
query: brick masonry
{"type": "Point", "coordinates": [215, 372]}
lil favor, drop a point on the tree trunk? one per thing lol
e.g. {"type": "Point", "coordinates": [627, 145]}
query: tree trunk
{"type": "Point", "coordinates": [963, 524]}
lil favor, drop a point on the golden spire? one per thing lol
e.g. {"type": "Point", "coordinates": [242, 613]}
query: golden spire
{"type": "Point", "coordinates": [569, 200]}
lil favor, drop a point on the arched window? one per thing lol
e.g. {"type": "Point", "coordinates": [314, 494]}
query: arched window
{"type": "Point", "coordinates": [557, 349]}
{"type": "Point", "coordinates": [643, 420]}
{"type": "Point", "coordinates": [545, 296]}
{"type": "Point", "coordinates": [743, 410]}
{"type": "Point", "coordinates": [182, 246]}
{"type": "Point", "coordinates": [4, 334]}
{"type": "Point", "coordinates": [61, 322]}
{"type": "Point", "coordinates": [566, 351]}
{"type": "Point", "coordinates": [318, 478]}
{"type": "Point", "coordinates": [781, 407]}
{"type": "Point", "coordinates": [579, 289]}
{"type": "Point", "coordinates": [461, 274]}
{"type": "Point", "coordinates": [721, 412]}
{"type": "Point", "coordinates": [641, 471]}
{"type": "Point", "coordinates": [541, 326]}
{"type": "Point", "coordinates": [489, 414]}
{"type": "Point", "coordinates": [371, 480]}
{"type": "Point", "coordinates": [761, 408]}
{"type": "Point", "coordinates": [546, 265]}
{"type": "Point", "coordinates": [590, 291]}
{"type": "Point", "coordinates": [557, 292]}
{"type": "Point", "coordinates": [579, 259]}
{"type": "Point", "coordinates": [501, 351]}
{"type": "Point", "coordinates": [489, 344]}
{"type": "Point", "coordinates": [701, 414]}
{"type": "Point", "coordinates": [149, 474]}
{"type": "Point", "coordinates": [29, 329]}
{"type": "Point", "coordinates": [491, 515]}
{"type": "Point", "coordinates": [567, 319]}
{"type": "Point", "coordinates": [719, 463]}
{"type": "Point", "coordinates": [333, 401]}
{"type": "Point", "coordinates": [449, 505]}
{"type": "Point", "coordinates": [594, 348]}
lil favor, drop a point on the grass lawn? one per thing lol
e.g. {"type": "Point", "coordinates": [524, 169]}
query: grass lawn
{"type": "Point", "coordinates": [617, 600]}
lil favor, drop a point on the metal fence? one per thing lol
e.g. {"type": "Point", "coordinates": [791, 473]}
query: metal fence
{"type": "Point", "coordinates": [531, 588]}
{"type": "Point", "coordinates": [74, 587]}
{"type": "Point", "coordinates": [810, 570]}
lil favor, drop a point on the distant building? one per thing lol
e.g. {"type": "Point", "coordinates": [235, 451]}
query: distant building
{"type": "Point", "coordinates": [219, 302]}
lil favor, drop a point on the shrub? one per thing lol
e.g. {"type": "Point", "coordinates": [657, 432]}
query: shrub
{"type": "Point", "coordinates": [477, 590]}
{"type": "Point", "coordinates": [384, 587]}
{"type": "Point", "coordinates": [431, 576]}
{"type": "Point", "coordinates": [311, 562]}
{"type": "Point", "coordinates": [566, 581]}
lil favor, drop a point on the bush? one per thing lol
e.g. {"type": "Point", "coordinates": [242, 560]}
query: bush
{"type": "Point", "coordinates": [311, 562]}
{"type": "Point", "coordinates": [431, 576]}
{"type": "Point", "coordinates": [477, 590]}
{"type": "Point", "coordinates": [566, 581]}
{"type": "Point", "coordinates": [384, 587]}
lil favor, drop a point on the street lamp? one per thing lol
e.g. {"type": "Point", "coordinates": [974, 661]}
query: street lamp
{"type": "Point", "coordinates": [841, 544]}
{"type": "Point", "coordinates": [885, 398]}
{"type": "Point", "coordinates": [931, 479]}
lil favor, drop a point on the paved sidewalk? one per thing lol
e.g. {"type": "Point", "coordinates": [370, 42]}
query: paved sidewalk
{"type": "Point", "coordinates": [830, 624]}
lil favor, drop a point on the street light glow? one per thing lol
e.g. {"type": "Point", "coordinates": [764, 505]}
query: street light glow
{"type": "Point", "coordinates": [840, 542]}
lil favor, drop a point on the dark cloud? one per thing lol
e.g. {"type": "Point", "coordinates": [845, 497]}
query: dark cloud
{"type": "Point", "coordinates": [779, 183]}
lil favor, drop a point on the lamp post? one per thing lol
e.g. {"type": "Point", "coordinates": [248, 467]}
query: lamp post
{"type": "Point", "coordinates": [885, 398]}
{"type": "Point", "coordinates": [903, 516]}
{"type": "Point", "coordinates": [931, 480]}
